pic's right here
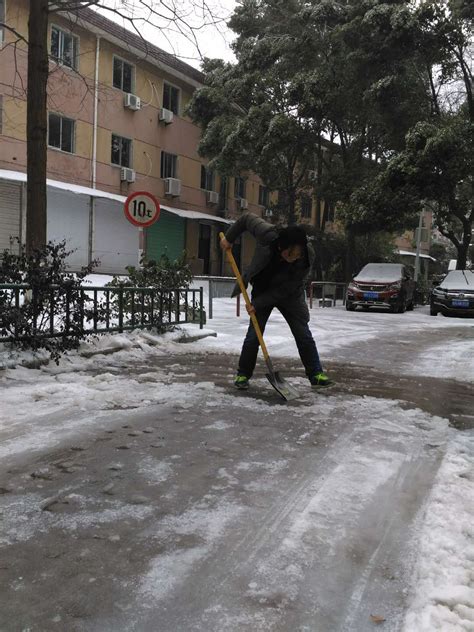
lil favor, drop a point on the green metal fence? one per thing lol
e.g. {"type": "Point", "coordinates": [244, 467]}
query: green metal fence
{"type": "Point", "coordinates": [65, 311]}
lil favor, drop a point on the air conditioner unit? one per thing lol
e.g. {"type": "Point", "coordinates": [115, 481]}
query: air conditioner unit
{"type": "Point", "coordinates": [243, 204]}
{"type": "Point", "coordinates": [131, 101]}
{"type": "Point", "coordinates": [268, 212]}
{"type": "Point", "coordinates": [212, 197]}
{"type": "Point", "coordinates": [127, 175]}
{"type": "Point", "coordinates": [172, 187]}
{"type": "Point", "coordinates": [312, 175]}
{"type": "Point", "coordinates": [165, 116]}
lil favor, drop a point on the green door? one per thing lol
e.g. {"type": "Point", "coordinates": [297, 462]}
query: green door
{"type": "Point", "coordinates": [166, 236]}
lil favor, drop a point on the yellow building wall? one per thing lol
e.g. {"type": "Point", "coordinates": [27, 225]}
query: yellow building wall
{"type": "Point", "coordinates": [17, 16]}
{"type": "Point", "coordinates": [14, 118]}
{"type": "Point", "coordinates": [84, 133]}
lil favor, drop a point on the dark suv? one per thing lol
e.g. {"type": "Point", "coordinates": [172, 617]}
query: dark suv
{"type": "Point", "coordinates": [454, 295]}
{"type": "Point", "coordinates": [382, 285]}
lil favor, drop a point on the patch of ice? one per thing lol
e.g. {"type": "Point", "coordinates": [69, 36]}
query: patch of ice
{"type": "Point", "coordinates": [155, 470]}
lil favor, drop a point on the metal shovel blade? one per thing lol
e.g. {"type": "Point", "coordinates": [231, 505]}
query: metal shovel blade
{"type": "Point", "coordinates": [281, 386]}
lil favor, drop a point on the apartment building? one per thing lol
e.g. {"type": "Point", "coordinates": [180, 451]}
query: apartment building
{"type": "Point", "coordinates": [116, 125]}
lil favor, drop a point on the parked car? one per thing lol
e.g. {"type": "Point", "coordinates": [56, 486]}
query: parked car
{"type": "Point", "coordinates": [382, 285]}
{"type": "Point", "coordinates": [454, 295]}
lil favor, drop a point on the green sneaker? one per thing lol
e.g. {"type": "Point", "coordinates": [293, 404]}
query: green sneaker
{"type": "Point", "coordinates": [241, 382]}
{"type": "Point", "coordinates": [320, 380]}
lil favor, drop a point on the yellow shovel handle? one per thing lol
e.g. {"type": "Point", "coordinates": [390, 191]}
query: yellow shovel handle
{"type": "Point", "coordinates": [243, 289]}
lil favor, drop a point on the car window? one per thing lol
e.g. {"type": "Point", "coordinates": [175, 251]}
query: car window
{"type": "Point", "coordinates": [380, 272]}
{"type": "Point", "coordinates": [457, 279]}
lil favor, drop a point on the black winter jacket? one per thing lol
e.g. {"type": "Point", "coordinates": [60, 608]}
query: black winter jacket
{"type": "Point", "coordinates": [290, 287]}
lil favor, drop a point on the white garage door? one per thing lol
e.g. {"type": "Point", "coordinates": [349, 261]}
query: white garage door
{"type": "Point", "coordinates": [68, 218]}
{"type": "Point", "coordinates": [115, 239]}
{"type": "Point", "coordinates": [10, 204]}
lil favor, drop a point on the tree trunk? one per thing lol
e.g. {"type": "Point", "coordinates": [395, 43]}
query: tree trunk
{"type": "Point", "coordinates": [36, 124]}
{"type": "Point", "coordinates": [291, 207]}
{"type": "Point", "coordinates": [319, 206]}
{"type": "Point", "coordinates": [350, 254]}
{"type": "Point", "coordinates": [463, 250]}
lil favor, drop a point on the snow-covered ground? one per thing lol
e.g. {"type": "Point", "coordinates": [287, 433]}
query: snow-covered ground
{"type": "Point", "coordinates": [442, 592]}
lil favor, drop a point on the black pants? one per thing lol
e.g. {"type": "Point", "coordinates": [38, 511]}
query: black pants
{"type": "Point", "coordinates": [297, 320]}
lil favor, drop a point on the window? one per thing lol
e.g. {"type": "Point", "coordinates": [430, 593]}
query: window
{"type": "Point", "coordinates": [207, 179]}
{"type": "Point", "coordinates": [169, 164]}
{"type": "Point", "coordinates": [121, 151]}
{"type": "Point", "coordinates": [123, 75]}
{"type": "Point", "coordinates": [306, 206]}
{"type": "Point", "coordinates": [2, 19]}
{"type": "Point", "coordinates": [239, 187]}
{"type": "Point", "coordinates": [64, 47]}
{"type": "Point", "coordinates": [263, 195]}
{"type": "Point", "coordinates": [61, 133]}
{"type": "Point", "coordinates": [331, 211]}
{"type": "Point", "coordinates": [171, 98]}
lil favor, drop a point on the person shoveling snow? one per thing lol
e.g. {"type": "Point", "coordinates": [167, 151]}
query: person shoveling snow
{"type": "Point", "coordinates": [277, 272]}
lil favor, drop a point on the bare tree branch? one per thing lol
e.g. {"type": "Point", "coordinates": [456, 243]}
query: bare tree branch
{"type": "Point", "coordinates": [20, 37]}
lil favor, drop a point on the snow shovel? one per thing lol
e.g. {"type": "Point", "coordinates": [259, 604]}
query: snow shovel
{"type": "Point", "coordinates": [279, 384]}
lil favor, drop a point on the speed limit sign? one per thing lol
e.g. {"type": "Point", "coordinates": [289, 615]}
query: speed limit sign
{"type": "Point", "coordinates": [142, 209]}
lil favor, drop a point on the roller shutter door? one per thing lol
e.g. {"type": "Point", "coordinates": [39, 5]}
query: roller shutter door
{"type": "Point", "coordinates": [115, 239]}
{"type": "Point", "coordinates": [10, 205]}
{"type": "Point", "coordinates": [68, 219]}
{"type": "Point", "coordinates": [166, 236]}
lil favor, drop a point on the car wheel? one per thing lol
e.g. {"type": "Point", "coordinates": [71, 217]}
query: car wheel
{"type": "Point", "coordinates": [410, 306]}
{"type": "Point", "coordinates": [433, 311]}
{"type": "Point", "coordinates": [402, 307]}
{"type": "Point", "coordinates": [350, 307]}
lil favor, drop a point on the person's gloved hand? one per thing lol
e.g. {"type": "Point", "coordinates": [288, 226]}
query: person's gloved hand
{"type": "Point", "coordinates": [225, 245]}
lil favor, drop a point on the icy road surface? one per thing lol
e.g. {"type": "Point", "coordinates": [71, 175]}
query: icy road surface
{"type": "Point", "coordinates": [140, 493]}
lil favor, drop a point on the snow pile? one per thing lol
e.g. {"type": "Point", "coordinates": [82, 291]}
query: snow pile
{"type": "Point", "coordinates": [443, 587]}
{"type": "Point", "coordinates": [455, 360]}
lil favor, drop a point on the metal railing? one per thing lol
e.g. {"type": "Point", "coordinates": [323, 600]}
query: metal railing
{"type": "Point", "coordinates": [329, 289]}
{"type": "Point", "coordinates": [217, 287]}
{"type": "Point", "coordinates": [65, 311]}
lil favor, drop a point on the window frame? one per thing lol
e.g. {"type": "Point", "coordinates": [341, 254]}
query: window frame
{"type": "Point", "coordinates": [130, 153]}
{"type": "Point", "coordinates": [178, 91]}
{"type": "Point", "coordinates": [163, 157]}
{"type": "Point", "coordinates": [62, 118]}
{"type": "Point", "coordinates": [132, 78]}
{"type": "Point", "coordinates": [263, 195]}
{"type": "Point", "coordinates": [3, 18]}
{"type": "Point", "coordinates": [305, 213]}
{"type": "Point", "coordinates": [208, 178]}
{"type": "Point", "coordinates": [60, 59]}
{"type": "Point", "coordinates": [240, 180]}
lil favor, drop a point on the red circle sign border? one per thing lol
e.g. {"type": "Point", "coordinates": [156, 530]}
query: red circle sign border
{"type": "Point", "coordinates": [134, 221]}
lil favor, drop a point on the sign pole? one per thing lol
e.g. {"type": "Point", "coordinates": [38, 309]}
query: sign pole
{"type": "Point", "coordinates": [141, 245]}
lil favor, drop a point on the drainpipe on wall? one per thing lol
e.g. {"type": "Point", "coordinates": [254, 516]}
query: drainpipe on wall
{"type": "Point", "coordinates": [94, 149]}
